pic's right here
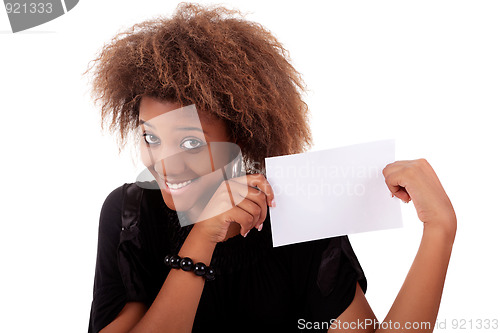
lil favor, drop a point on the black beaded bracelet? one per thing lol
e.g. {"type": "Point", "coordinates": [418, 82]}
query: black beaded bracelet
{"type": "Point", "coordinates": [186, 264]}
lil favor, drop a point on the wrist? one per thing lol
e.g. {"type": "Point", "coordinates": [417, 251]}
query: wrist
{"type": "Point", "coordinates": [201, 232]}
{"type": "Point", "coordinates": [445, 230]}
{"type": "Point", "coordinates": [197, 246]}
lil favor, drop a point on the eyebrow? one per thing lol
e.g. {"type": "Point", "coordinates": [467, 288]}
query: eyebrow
{"type": "Point", "coordinates": [141, 122]}
{"type": "Point", "coordinates": [190, 129]}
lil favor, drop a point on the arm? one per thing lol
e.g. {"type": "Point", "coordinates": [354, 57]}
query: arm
{"type": "Point", "coordinates": [175, 306]}
{"type": "Point", "coordinates": [130, 315]}
{"type": "Point", "coordinates": [419, 298]}
{"type": "Point", "coordinates": [180, 295]}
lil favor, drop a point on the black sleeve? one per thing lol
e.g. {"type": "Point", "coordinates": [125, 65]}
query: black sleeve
{"type": "Point", "coordinates": [331, 280]}
{"type": "Point", "coordinates": [109, 296]}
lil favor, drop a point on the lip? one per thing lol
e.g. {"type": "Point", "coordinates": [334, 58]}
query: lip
{"type": "Point", "coordinates": [177, 181]}
{"type": "Point", "coordinates": [180, 190]}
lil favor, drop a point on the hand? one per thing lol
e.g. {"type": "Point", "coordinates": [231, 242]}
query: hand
{"type": "Point", "coordinates": [248, 207]}
{"type": "Point", "coordinates": [416, 180]}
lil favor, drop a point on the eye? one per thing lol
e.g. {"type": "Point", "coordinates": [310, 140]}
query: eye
{"type": "Point", "coordinates": [190, 144]}
{"type": "Point", "coordinates": [151, 139]}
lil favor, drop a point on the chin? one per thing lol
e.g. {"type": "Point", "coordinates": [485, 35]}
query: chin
{"type": "Point", "coordinates": [194, 201]}
{"type": "Point", "coordinates": [169, 201]}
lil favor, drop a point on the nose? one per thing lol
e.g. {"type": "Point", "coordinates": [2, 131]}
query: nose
{"type": "Point", "coordinates": [171, 166]}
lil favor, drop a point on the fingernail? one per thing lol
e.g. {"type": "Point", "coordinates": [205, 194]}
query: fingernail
{"type": "Point", "coordinates": [260, 227]}
{"type": "Point", "coordinates": [246, 233]}
{"type": "Point", "coordinates": [273, 203]}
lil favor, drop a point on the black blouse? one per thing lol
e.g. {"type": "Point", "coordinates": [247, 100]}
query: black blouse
{"type": "Point", "coordinates": [257, 287]}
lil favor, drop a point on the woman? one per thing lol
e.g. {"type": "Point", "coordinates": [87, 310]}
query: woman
{"type": "Point", "coordinates": [245, 92]}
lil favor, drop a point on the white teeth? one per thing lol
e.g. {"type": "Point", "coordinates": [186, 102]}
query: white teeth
{"type": "Point", "coordinates": [178, 186]}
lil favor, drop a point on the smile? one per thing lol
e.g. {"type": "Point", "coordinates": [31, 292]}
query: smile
{"type": "Point", "coordinates": [178, 186]}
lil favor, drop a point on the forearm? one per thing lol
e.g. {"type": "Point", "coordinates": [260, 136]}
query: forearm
{"type": "Point", "coordinates": [419, 298]}
{"type": "Point", "coordinates": [175, 306]}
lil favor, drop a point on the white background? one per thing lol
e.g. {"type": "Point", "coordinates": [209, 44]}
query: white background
{"type": "Point", "coordinates": [426, 73]}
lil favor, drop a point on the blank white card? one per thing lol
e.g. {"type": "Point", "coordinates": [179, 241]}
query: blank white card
{"type": "Point", "coordinates": [332, 192]}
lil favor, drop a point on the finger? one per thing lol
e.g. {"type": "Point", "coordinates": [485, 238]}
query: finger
{"type": "Point", "coordinates": [243, 218]}
{"type": "Point", "coordinates": [253, 209]}
{"type": "Point", "coordinates": [393, 180]}
{"type": "Point", "coordinates": [394, 167]}
{"type": "Point", "coordinates": [259, 198]}
{"type": "Point", "coordinates": [254, 194]}
{"type": "Point", "coordinates": [259, 180]}
{"type": "Point", "coordinates": [402, 194]}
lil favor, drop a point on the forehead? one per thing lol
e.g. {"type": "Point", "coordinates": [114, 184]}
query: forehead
{"type": "Point", "coordinates": [167, 115]}
{"type": "Point", "coordinates": [153, 110]}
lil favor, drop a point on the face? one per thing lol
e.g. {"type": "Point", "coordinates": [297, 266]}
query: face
{"type": "Point", "coordinates": [183, 150]}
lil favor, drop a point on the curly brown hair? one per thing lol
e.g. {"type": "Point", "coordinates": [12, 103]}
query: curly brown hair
{"type": "Point", "coordinates": [229, 67]}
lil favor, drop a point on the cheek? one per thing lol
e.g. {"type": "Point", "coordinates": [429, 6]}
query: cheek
{"type": "Point", "coordinates": [200, 167]}
{"type": "Point", "coordinates": [223, 153]}
{"type": "Point", "coordinates": [145, 156]}
{"type": "Point", "coordinates": [208, 185]}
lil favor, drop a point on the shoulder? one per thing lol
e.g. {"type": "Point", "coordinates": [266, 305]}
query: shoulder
{"type": "Point", "coordinates": [331, 273]}
{"type": "Point", "coordinates": [114, 198]}
{"type": "Point", "coordinates": [125, 193]}
{"type": "Point", "coordinates": [110, 220]}
{"type": "Point", "coordinates": [330, 261]}
{"type": "Point", "coordinates": [121, 207]}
